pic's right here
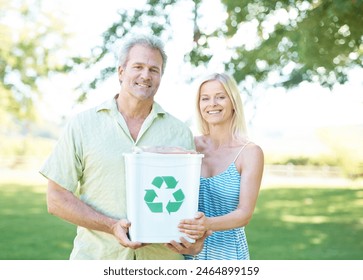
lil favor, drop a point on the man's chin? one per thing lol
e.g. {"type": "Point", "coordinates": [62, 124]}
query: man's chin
{"type": "Point", "coordinates": [144, 96]}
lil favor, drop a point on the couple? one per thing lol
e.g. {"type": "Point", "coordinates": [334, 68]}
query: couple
{"type": "Point", "coordinates": [88, 160]}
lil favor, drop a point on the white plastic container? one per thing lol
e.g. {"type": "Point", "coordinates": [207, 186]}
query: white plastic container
{"type": "Point", "coordinates": [161, 190]}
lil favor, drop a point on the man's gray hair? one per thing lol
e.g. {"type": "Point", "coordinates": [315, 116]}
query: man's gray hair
{"type": "Point", "coordinates": [146, 40]}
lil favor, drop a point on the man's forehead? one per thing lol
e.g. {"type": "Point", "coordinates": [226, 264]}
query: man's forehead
{"type": "Point", "coordinates": [143, 54]}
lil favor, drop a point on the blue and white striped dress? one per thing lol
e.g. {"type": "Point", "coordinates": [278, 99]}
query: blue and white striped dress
{"type": "Point", "coordinates": [218, 196]}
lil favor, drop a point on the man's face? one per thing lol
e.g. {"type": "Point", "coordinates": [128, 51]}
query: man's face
{"type": "Point", "coordinates": [141, 76]}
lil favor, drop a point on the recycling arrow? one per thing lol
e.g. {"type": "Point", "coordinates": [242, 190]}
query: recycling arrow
{"type": "Point", "coordinates": [179, 195]}
{"type": "Point", "coordinates": [174, 206]}
{"type": "Point", "coordinates": [155, 207]}
{"type": "Point", "coordinates": [151, 195]}
{"type": "Point", "coordinates": [169, 181]}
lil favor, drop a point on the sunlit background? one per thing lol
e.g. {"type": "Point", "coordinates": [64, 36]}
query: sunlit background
{"type": "Point", "coordinates": [302, 90]}
{"type": "Point", "coordinates": [304, 125]}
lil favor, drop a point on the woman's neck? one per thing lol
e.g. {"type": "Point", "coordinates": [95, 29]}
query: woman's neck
{"type": "Point", "coordinates": [221, 137]}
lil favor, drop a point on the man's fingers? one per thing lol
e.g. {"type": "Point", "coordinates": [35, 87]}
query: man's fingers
{"type": "Point", "coordinates": [125, 223]}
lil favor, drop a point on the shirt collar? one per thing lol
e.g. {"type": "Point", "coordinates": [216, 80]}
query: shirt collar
{"type": "Point", "coordinates": [110, 105]}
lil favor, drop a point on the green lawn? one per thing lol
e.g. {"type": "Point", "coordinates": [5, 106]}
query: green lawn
{"type": "Point", "coordinates": [300, 223]}
{"type": "Point", "coordinates": [27, 231]}
{"type": "Point", "coordinates": [289, 223]}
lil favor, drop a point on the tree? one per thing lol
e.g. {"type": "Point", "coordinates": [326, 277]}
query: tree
{"type": "Point", "coordinates": [33, 46]}
{"type": "Point", "coordinates": [293, 41]}
{"type": "Point", "coordinates": [346, 146]}
{"type": "Point", "coordinates": [153, 17]}
{"type": "Point", "coordinates": [315, 40]}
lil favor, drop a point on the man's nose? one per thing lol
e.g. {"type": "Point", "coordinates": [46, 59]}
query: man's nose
{"type": "Point", "coordinates": [145, 73]}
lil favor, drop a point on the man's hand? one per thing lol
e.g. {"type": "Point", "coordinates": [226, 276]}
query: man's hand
{"type": "Point", "coordinates": [120, 230]}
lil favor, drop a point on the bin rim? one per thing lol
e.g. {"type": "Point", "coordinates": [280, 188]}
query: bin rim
{"type": "Point", "coordinates": [165, 155]}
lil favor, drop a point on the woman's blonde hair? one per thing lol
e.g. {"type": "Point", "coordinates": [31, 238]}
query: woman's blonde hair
{"type": "Point", "coordinates": [238, 123]}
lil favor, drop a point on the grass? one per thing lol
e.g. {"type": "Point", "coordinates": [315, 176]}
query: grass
{"type": "Point", "coordinates": [318, 223]}
{"type": "Point", "coordinates": [307, 224]}
{"type": "Point", "coordinates": [27, 231]}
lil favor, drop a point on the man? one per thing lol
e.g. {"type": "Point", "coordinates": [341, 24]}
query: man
{"type": "Point", "coordinates": [88, 157]}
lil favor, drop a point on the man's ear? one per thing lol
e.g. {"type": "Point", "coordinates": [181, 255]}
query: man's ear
{"type": "Point", "coordinates": [120, 71]}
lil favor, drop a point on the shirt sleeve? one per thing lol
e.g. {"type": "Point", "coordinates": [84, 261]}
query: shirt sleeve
{"type": "Point", "coordinates": [190, 139]}
{"type": "Point", "coordinates": [65, 165]}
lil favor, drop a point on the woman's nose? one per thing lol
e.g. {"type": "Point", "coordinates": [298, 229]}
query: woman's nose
{"type": "Point", "coordinates": [214, 101]}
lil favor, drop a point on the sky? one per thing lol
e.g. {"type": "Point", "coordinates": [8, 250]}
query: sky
{"type": "Point", "coordinates": [273, 112]}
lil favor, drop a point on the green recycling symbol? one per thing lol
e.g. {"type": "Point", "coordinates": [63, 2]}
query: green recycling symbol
{"type": "Point", "coordinates": [151, 195]}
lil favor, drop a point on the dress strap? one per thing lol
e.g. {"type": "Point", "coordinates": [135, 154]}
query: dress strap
{"type": "Point", "coordinates": [241, 150]}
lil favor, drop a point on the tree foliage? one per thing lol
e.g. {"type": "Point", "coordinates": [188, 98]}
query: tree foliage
{"type": "Point", "coordinates": [315, 40]}
{"type": "Point", "coordinates": [153, 17]}
{"type": "Point", "coordinates": [33, 46]}
{"type": "Point", "coordinates": [280, 42]}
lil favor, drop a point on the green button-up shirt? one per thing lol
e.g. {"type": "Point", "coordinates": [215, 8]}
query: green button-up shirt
{"type": "Point", "coordinates": [89, 156]}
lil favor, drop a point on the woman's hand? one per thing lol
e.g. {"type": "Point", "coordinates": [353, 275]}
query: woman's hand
{"type": "Point", "coordinates": [187, 248]}
{"type": "Point", "coordinates": [194, 228]}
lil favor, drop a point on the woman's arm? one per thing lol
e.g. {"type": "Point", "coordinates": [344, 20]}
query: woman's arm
{"type": "Point", "coordinates": [251, 167]}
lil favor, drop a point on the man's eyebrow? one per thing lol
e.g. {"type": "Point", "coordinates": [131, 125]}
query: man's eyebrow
{"type": "Point", "coordinates": [156, 67]}
{"type": "Point", "coordinates": [141, 63]}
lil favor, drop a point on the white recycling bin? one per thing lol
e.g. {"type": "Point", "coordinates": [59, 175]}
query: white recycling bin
{"type": "Point", "coordinates": [161, 190]}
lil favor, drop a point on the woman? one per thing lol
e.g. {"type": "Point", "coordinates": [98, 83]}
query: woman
{"type": "Point", "coordinates": [231, 171]}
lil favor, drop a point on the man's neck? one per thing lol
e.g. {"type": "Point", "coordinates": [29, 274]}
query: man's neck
{"type": "Point", "coordinates": [134, 113]}
{"type": "Point", "coordinates": [132, 108]}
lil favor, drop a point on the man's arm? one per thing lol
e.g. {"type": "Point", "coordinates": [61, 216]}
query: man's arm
{"type": "Point", "coordinates": [65, 205]}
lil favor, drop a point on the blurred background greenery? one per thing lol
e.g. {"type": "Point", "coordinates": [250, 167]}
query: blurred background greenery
{"type": "Point", "coordinates": [299, 68]}
{"type": "Point", "coordinates": [291, 222]}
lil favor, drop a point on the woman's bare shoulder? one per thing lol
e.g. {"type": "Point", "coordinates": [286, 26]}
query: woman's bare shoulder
{"type": "Point", "coordinates": [251, 158]}
{"type": "Point", "coordinates": [200, 143]}
{"type": "Point", "coordinates": [252, 153]}
{"type": "Point", "coordinates": [253, 149]}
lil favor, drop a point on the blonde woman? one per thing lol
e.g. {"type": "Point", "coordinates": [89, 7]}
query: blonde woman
{"type": "Point", "coordinates": [231, 173]}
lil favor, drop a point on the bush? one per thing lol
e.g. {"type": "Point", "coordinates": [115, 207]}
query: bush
{"type": "Point", "coordinates": [316, 160]}
{"type": "Point", "coordinates": [346, 144]}
{"type": "Point", "coordinates": [25, 146]}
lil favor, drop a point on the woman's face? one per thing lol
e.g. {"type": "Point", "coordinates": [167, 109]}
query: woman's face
{"type": "Point", "coordinates": [214, 103]}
